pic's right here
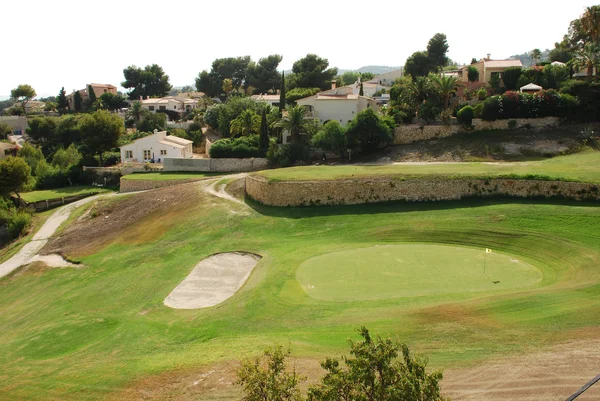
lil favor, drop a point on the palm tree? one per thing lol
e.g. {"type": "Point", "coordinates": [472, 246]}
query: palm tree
{"type": "Point", "coordinates": [136, 112]}
{"type": "Point", "coordinates": [445, 86]}
{"type": "Point", "coordinates": [590, 23]}
{"type": "Point", "coordinates": [295, 122]}
{"type": "Point", "coordinates": [588, 57]}
{"type": "Point", "coordinates": [420, 89]}
{"type": "Point", "coordinates": [247, 123]}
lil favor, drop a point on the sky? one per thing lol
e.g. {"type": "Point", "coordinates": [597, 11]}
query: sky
{"type": "Point", "coordinates": [72, 43]}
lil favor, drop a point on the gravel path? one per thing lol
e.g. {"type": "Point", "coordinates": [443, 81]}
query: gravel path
{"type": "Point", "coordinates": [28, 253]}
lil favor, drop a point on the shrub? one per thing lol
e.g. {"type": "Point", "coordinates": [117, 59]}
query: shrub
{"type": "Point", "coordinates": [17, 224]}
{"type": "Point", "coordinates": [368, 132]}
{"type": "Point", "coordinates": [446, 116]}
{"type": "Point", "coordinates": [482, 94]}
{"type": "Point", "coordinates": [568, 106]}
{"type": "Point", "coordinates": [242, 147]}
{"type": "Point", "coordinates": [429, 111]}
{"type": "Point", "coordinates": [194, 127]}
{"type": "Point", "coordinates": [511, 77]}
{"type": "Point", "coordinates": [287, 155]}
{"type": "Point", "coordinates": [465, 116]}
{"type": "Point", "coordinates": [331, 137]}
{"type": "Point", "coordinates": [492, 109]}
{"type": "Point", "coordinates": [211, 116]}
{"type": "Point", "coordinates": [478, 109]}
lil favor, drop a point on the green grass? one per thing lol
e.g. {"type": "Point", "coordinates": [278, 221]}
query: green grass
{"type": "Point", "coordinates": [37, 220]}
{"type": "Point", "coordinates": [413, 270]}
{"type": "Point", "coordinates": [577, 167]}
{"type": "Point", "coordinates": [90, 332]}
{"type": "Point", "coordinates": [168, 176]}
{"type": "Point", "coordinates": [48, 194]}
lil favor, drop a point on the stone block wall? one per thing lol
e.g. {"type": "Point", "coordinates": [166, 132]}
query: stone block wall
{"type": "Point", "coordinates": [370, 190]}
{"type": "Point", "coordinates": [406, 134]}
{"type": "Point", "coordinates": [216, 165]}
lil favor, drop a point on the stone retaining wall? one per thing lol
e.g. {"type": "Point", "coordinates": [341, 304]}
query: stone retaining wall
{"type": "Point", "coordinates": [406, 134]}
{"type": "Point", "coordinates": [372, 190]}
{"type": "Point", "coordinates": [144, 185]}
{"type": "Point", "coordinates": [224, 165]}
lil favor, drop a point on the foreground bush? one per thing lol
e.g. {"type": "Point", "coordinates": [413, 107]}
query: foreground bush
{"type": "Point", "coordinates": [524, 105]}
{"type": "Point", "coordinates": [465, 116]}
{"type": "Point", "coordinates": [376, 370]}
{"type": "Point", "coordinates": [13, 222]}
{"type": "Point", "coordinates": [289, 154]}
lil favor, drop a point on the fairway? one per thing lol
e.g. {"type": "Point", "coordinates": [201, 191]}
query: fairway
{"type": "Point", "coordinates": [412, 270]}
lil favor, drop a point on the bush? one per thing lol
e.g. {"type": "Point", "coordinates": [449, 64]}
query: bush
{"type": "Point", "coordinates": [429, 111]}
{"type": "Point", "coordinates": [111, 158]}
{"type": "Point", "coordinates": [239, 148]}
{"type": "Point", "coordinates": [331, 137]}
{"type": "Point", "coordinates": [18, 224]}
{"type": "Point", "coordinates": [478, 109]}
{"type": "Point", "coordinates": [492, 109]}
{"type": "Point", "coordinates": [194, 127]}
{"type": "Point", "coordinates": [287, 155]}
{"type": "Point", "coordinates": [368, 132]}
{"type": "Point", "coordinates": [465, 116]}
{"type": "Point", "coordinates": [510, 77]}
{"type": "Point", "coordinates": [211, 116]}
{"type": "Point", "coordinates": [482, 94]}
{"type": "Point", "coordinates": [512, 124]}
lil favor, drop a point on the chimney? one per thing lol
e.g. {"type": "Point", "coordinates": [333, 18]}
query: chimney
{"type": "Point", "coordinates": [333, 84]}
{"type": "Point", "coordinates": [488, 56]}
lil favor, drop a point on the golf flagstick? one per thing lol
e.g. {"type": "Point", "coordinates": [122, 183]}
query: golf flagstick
{"type": "Point", "coordinates": [487, 250]}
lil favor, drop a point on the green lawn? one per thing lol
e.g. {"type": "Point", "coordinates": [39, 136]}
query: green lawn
{"type": "Point", "coordinates": [168, 176]}
{"type": "Point", "coordinates": [577, 167]}
{"type": "Point", "coordinates": [47, 194]}
{"type": "Point", "coordinates": [412, 270]}
{"type": "Point", "coordinates": [90, 332]}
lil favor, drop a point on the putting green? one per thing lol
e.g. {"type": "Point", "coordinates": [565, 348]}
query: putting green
{"type": "Point", "coordinates": [391, 271]}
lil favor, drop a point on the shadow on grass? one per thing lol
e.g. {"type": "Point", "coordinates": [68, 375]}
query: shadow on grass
{"type": "Point", "coordinates": [403, 206]}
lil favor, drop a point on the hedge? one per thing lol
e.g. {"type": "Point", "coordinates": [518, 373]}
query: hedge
{"type": "Point", "coordinates": [239, 148]}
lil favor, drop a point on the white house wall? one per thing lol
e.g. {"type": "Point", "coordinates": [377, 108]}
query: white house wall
{"type": "Point", "coordinates": [151, 143]}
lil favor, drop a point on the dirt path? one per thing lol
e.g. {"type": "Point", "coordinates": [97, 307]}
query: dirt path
{"type": "Point", "coordinates": [220, 192]}
{"type": "Point", "coordinates": [31, 249]}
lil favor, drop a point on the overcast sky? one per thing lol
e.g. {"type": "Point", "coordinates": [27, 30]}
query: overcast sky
{"type": "Point", "coordinates": [72, 43]}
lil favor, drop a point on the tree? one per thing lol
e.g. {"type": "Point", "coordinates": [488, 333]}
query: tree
{"type": "Point", "coordinates": [264, 131]}
{"type": "Point", "coordinates": [91, 94]}
{"type": "Point", "coordinates": [348, 78]}
{"type": "Point", "coordinates": [495, 82]}
{"type": "Point", "coordinates": [282, 93]}
{"type": "Point", "coordinates": [23, 94]}
{"type": "Point", "coordinates": [100, 132]}
{"type": "Point", "coordinates": [312, 72]}
{"type": "Point", "coordinates": [332, 137]}
{"type": "Point", "coordinates": [511, 77]}
{"type": "Point", "coordinates": [418, 65]}
{"type": "Point", "coordinates": [294, 121]}
{"type": "Point", "coordinates": [263, 76]}
{"type": "Point", "coordinates": [266, 379]}
{"type": "Point", "coordinates": [14, 175]}
{"type": "Point", "coordinates": [375, 371]}
{"type": "Point", "coordinates": [588, 57]}
{"type": "Point", "coordinates": [247, 123]}
{"type": "Point", "coordinates": [77, 101]}
{"type": "Point", "coordinates": [205, 84]}
{"type": "Point", "coordinates": [152, 121]}
{"type": "Point", "coordinates": [42, 129]}
{"type": "Point", "coordinates": [62, 103]}
{"type": "Point", "coordinates": [112, 101]}
{"type": "Point", "coordinates": [233, 68]}
{"type": "Point", "coordinates": [361, 91]}
{"type": "Point", "coordinates": [300, 93]}
{"type": "Point", "coordinates": [65, 158]}
{"type": "Point", "coordinates": [136, 112]}
{"type": "Point", "coordinates": [474, 61]}
{"type": "Point", "coordinates": [31, 155]}
{"type": "Point", "coordinates": [5, 130]}
{"type": "Point", "coordinates": [536, 55]}
{"type": "Point", "coordinates": [365, 76]}
{"type": "Point", "coordinates": [445, 86]}
{"type": "Point", "coordinates": [436, 51]}
{"type": "Point", "coordinates": [367, 132]}
{"type": "Point", "coordinates": [472, 74]}
{"type": "Point", "coordinates": [150, 81]}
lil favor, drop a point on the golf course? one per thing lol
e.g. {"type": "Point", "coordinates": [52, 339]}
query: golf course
{"type": "Point", "coordinates": [463, 283]}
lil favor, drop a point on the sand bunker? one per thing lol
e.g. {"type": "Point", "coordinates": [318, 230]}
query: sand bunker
{"type": "Point", "coordinates": [53, 260]}
{"type": "Point", "coordinates": [212, 281]}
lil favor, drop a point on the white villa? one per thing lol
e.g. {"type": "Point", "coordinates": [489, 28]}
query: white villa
{"type": "Point", "coordinates": [178, 104]}
{"type": "Point", "coordinates": [156, 147]}
{"type": "Point", "coordinates": [273, 100]}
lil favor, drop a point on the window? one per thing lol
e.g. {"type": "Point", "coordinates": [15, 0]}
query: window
{"type": "Point", "coordinates": [147, 155]}
{"type": "Point", "coordinates": [163, 108]}
{"type": "Point", "coordinates": [151, 108]}
{"type": "Point", "coordinates": [175, 107]}
{"type": "Point", "coordinates": [163, 152]}
{"type": "Point", "coordinates": [129, 154]}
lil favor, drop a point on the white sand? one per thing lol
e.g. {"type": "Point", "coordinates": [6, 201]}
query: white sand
{"type": "Point", "coordinates": [212, 281]}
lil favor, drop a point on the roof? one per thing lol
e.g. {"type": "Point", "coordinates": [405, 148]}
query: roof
{"type": "Point", "coordinates": [349, 96]}
{"type": "Point", "coordinates": [265, 97]}
{"type": "Point", "coordinates": [103, 85]}
{"type": "Point", "coordinates": [502, 63]}
{"type": "Point", "coordinates": [172, 144]}
{"type": "Point", "coordinates": [557, 63]}
{"type": "Point", "coordinates": [531, 86]}
{"type": "Point", "coordinates": [178, 140]}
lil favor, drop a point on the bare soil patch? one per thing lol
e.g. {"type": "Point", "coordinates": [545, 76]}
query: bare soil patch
{"type": "Point", "coordinates": [133, 217]}
{"type": "Point", "coordinates": [213, 280]}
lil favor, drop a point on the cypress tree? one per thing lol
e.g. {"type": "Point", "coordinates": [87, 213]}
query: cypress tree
{"type": "Point", "coordinates": [62, 101]}
{"type": "Point", "coordinates": [264, 131]}
{"type": "Point", "coordinates": [77, 101]}
{"type": "Point", "coordinates": [91, 94]}
{"type": "Point", "coordinates": [361, 92]}
{"type": "Point", "coordinates": [282, 94]}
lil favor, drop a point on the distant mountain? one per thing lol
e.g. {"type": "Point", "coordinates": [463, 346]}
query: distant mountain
{"type": "Point", "coordinates": [526, 59]}
{"type": "Point", "coordinates": [375, 69]}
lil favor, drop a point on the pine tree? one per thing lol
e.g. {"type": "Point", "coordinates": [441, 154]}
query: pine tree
{"type": "Point", "coordinates": [361, 92]}
{"type": "Point", "coordinates": [62, 101]}
{"type": "Point", "coordinates": [91, 94]}
{"type": "Point", "coordinates": [282, 94]}
{"type": "Point", "coordinates": [264, 131]}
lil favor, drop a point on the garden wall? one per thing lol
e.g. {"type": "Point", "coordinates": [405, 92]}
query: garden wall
{"type": "Point", "coordinates": [372, 190]}
{"type": "Point", "coordinates": [216, 165]}
{"type": "Point", "coordinates": [144, 185]}
{"type": "Point", "coordinates": [42, 205]}
{"type": "Point", "coordinates": [406, 134]}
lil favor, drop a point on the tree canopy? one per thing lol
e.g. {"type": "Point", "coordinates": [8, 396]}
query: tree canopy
{"type": "Point", "coordinates": [367, 132]}
{"type": "Point", "coordinates": [436, 51]}
{"type": "Point", "coordinates": [148, 81]}
{"type": "Point", "coordinates": [23, 94]}
{"type": "Point", "coordinates": [418, 64]}
{"type": "Point", "coordinates": [263, 76]}
{"type": "Point", "coordinates": [100, 132]}
{"type": "Point", "coordinates": [313, 71]}
{"type": "Point", "coordinates": [14, 175]}
{"type": "Point", "coordinates": [234, 68]}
